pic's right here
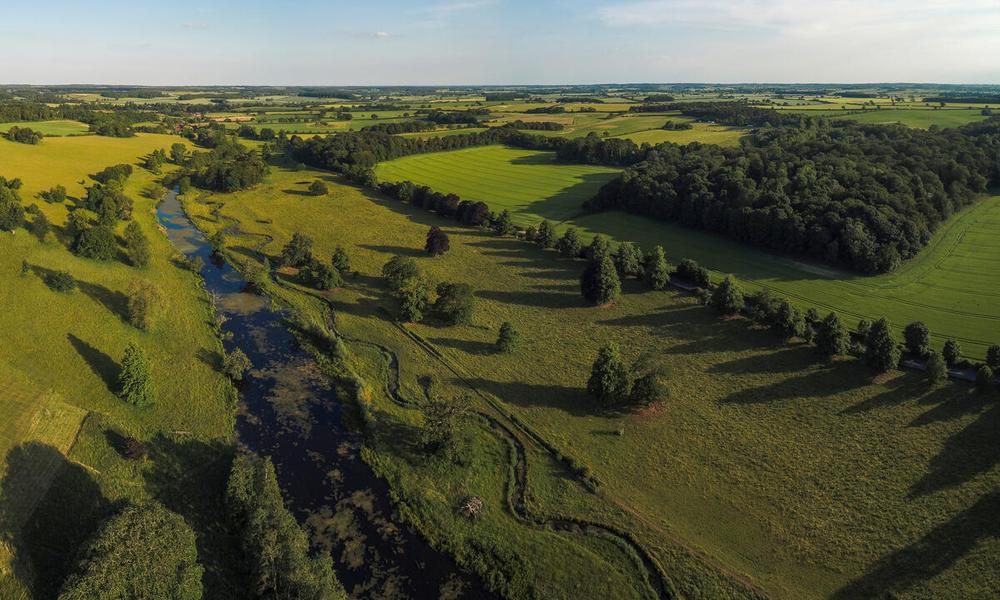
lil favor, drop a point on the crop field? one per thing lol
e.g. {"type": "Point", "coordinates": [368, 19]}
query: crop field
{"type": "Point", "coordinates": [949, 286]}
{"type": "Point", "coordinates": [705, 133]}
{"type": "Point", "coordinates": [919, 118]}
{"type": "Point", "coordinates": [800, 477]}
{"type": "Point", "coordinates": [51, 128]}
{"type": "Point", "coordinates": [531, 184]}
{"type": "Point", "coordinates": [59, 356]}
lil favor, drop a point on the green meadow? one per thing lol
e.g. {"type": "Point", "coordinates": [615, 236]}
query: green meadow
{"type": "Point", "coordinates": [51, 128]}
{"type": "Point", "coordinates": [532, 185]}
{"type": "Point", "coordinates": [59, 356]}
{"type": "Point", "coordinates": [767, 471]}
{"type": "Point", "coordinates": [949, 286]}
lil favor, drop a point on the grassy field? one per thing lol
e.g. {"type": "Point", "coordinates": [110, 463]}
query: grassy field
{"type": "Point", "coordinates": [51, 128]}
{"type": "Point", "coordinates": [531, 184]}
{"type": "Point", "coordinates": [59, 355]}
{"type": "Point", "coordinates": [949, 285]}
{"type": "Point", "coordinates": [772, 467]}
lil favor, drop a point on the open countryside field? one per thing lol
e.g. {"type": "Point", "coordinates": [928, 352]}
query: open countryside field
{"type": "Point", "coordinates": [800, 476]}
{"type": "Point", "coordinates": [52, 128]}
{"type": "Point", "coordinates": [949, 285]}
{"type": "Point", "coordinates": [532, 185]}
{"type": "Point", "coordinates": [59, 358]}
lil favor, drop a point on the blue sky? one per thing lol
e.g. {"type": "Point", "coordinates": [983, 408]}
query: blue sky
{"type": "Point", "coordinates": [499, 41]}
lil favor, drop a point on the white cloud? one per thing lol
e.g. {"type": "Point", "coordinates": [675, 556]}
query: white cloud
{"type": "Point", "coordinates": [382, 34]}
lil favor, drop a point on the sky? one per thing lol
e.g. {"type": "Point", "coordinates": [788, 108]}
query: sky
{"type": "Point", "coordinates": [481, 42]}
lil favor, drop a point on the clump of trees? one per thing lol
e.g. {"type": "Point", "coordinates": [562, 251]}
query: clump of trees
{"type": "Point", "coordinates": [599, 283]}
{"type": "Point", "coordinates": [227, 167]}
{"type": "Point", "coordinates": [142, 552]}
{"type": "Point", "coordinates": [55, 195]}
{"type": "Point", "coordinates": [137, 245]}
{"type": "Point", "coordinates": [613, 384]}
{"type": "Point", "coordinates": [454, 303]}
{"type": "Point", "coordinates": [437, 241]}
{"type": "Point", "coordinates": [408, 286]}
{"type": "Point", "coordinates": [24, 135]}
{"type": "Point", "coordinates": [275, 550]}
{"type": "Point", "coordinates": [236, 364]}
{"type": "Point", "coordinates": [145, 301]}
{"type": "Point", "coordinates": [11, 211]}
{"type": "Point", "coordinates": [318, 188]}
{"type": "Point", "coordinates": [441, 433]}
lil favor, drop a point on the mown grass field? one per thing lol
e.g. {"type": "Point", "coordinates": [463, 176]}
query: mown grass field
{"type": "Point", "coordinates": [801, 477]}
{"type": "Point", "coordinates": [59, 357]}
{"type": "Point", "coordinates": [950, 285]}
{"type": "Point", "coordinates": [531, 184]}
{"type": "Point", "coordinates": [52, 128]}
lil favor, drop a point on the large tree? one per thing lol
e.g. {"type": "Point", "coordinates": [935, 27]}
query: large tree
{"type": "Point", "coordinates": [727, 298]}
{"type": "Point", "coordinates": [135, 383]}
{"type": "Point", "coordinates": [831, 336]}
{"type": "Point", "coordinates": [882, 353]}
{"type": "Point", "coordinates": [918, 338]}
{"type": "Point", "coordinates": [656, 269]}
{"type": "Point", "coordinates": [599, 283]}
{"type": "Point", "coordinates": [609, 381]}
{"type": "Point", "coordinates": [437, 241]}
{"type": "Point", "coordinates": [143, 553]}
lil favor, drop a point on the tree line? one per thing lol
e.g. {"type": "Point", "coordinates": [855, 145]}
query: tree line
{"type": "Point", "coordinates": [863, 196]}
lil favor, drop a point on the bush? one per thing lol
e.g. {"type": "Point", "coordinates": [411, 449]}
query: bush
{"type": "Point", "coordinates": [340, 260]}
{"type": "Point", "coordinates": [951, 352]}
{"type": "Point", "coordinates": [937, 371]}
{"type": "Point", "coordinates": [569, 245]}
{"type": "Point", "coordinates": [546, 236]}
{"type": "Point", "coordinates": [144, 302]}
{"type": "Point", "coordinates": [135, 384]}
{"type": "Point", "coordinates": [882, 353]}
{"type": "Point", "coordinates": [984, 378]}
{"type": "Point", "coordinates": [55, 195]}
{"type": "Point", "coordinates": [320, 276]}
{"type": "Point", "coordinates": [917, 338]}
{"type": "Point", "coordinates": [508, 338]}
{"type": "Point", "coordinates": [656, 269]}
{"type": "Point", "coordinates": [61, 281]}
{"type": "Point", "coordinates": [608, 382]}
{"type": "Point", "coordinates": [236, 364]}
{"type": "Point", "coordinates": [297, 252]}
{"type": "Point", "coordinates": [692, 272]}
{"type": "Point", "coordinates": [318, 188]}
{"type": "Point", "coordinates": [728, 297]}
{"type": "Point", "coordinates": [133, 449]}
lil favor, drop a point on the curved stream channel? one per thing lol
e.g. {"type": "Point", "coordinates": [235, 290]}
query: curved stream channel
{"type": "Point", "coordinates": [289, 411]}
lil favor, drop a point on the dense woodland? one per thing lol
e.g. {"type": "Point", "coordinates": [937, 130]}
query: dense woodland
{"type": "Point", "coordinates": [865, 196]}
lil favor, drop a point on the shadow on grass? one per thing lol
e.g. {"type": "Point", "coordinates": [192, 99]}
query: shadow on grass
{"type": "Point", "coordinates": [395, 250]}
{"type": "Point", "coordinates": [100, 363]}
{"type": "Point", "coordinates": [937, 551]}
{"type": "Point", "coordinates": [540, 299]}
{"type": "Point", "coordinates": [834, 379]}
{"type": "Point", "coordinates": [44, 523]}
{"type": "Point", "coordinates": [573, 400]}
{"type": "Point", "coordinates": [968, 453]}
{"type": "Point", "coordinates": [188, 476]}
{"type": "Point", "coordinates": [468, 346]}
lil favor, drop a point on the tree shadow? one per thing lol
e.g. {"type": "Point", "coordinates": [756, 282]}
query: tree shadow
{"type": "Point", "coordinates": [396, 250]}
{"type": "Point", "coordinates": [829, 381]}
{"type": "Point", "coordinates": [573, 400]}
{"type": "Point", "coordinates": [541, 299]}
{"type": "Point", "coordinates": [188, 476]}
{"type": "Point", "coordinates": [45, 521]}
{"type": "Point", "coordinates": [938, 550]}
{"type": "Point", "coordinates": [116, 302]}
{"type": "Point", "coordinates": [210, 357]}
{"type": "Point", "coordinates": [467, 346]}
{"type": "Point", "coordinates": [292, 192]}
{"type": "Point", "coordinates": [964, 455]}
{"type": "Point", "coordinates": [789, 359]}
{"type": "Point", "coordinates": [100, 363]}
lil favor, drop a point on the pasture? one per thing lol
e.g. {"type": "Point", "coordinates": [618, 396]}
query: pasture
{"type": "Point", "coordinates": [51, 128]}
{"type": "Point", "coordinates": [765, 464]}
{"type": "Point", "coordinates": [531, 184]}
{"type": "Point", "coordinates": [59, 357]}
{"type": "Point", "coordinates": [949, 286]}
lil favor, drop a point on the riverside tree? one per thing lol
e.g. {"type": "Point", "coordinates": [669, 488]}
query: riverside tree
{"type": "Point", "coordinates": [984, 378]}
{"type": "Point", "coordinates": [937, 371]}
{"type": "Point", "coordinates": [236, 364]}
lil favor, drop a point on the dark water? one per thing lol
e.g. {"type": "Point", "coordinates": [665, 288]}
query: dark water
{"type": "Point", "coordinates": [289, 412]}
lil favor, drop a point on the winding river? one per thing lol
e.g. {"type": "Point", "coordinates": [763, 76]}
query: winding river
{"type": "Point", "coordinates": [289, 411]}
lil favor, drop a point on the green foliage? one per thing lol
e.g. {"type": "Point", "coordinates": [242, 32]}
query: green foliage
{"type": "Point", "coordinates": [236, 364]}
{"type": "Point", "coordinates": [609, 381]}
{"type": "Point", "coordinates": [727, 298]}
{"type": "Point", "coordinates": [599, 283]}
{"type": "Point", "coordinates": [628, 260]}
{"type": "Point", "coordinates": [656, 269]}
{"type": "Point", "coordinates": [599, 247]}
{"type": "Point", "coordinates": [11, 211]}
{"type": "Point", "coordinates": [340, 260]}
{"type": "Point", "coordinates": [155, 161]}
{"type": "Point", "coordinates": [787, 320]}
{"type": "Point", "coordinates": [937, 370]}
{"type": "Point", "coordinates": [178, 153]}
{"type": "Point", "coordinates": [137, 245]}
{"type": "Point", "coordinates": [503, 225]}
{"type": "Point", "coordinates": [454, 303]}
{"type": "Point", "coordinates": [40, 226]}
{"type": "Point", "coordinates": [508, 338]}
{"type": "Point", "coordinates": [229, 167]}
{"type": "Point", "coordinates": [569, 245]}
{"type": "Point", "coordinates": [318, 188]}
{"type": "Point", "coordinates": [441, 431]}
{"type": "Point", "coordinates": [55, 195]}
{"type": "Point", "coordinates": [918, 338]}
{"type": "Point", "coordinates": [297, 252]}
{"type": "Point", "coordinates": [275, 549]}
{"type": "Point", "coordinates": [546, 236]}
{"type": "Point", "coordinates": [831, 336]}
{"type": "Point", "coordinates": [143, 553]}
{"type": "Point", "coordinates": [96, 242]}
{"type": "Point", "coordinates": [414, 297]}
{"type": "Point", "coordinates": [135, 383]}
{"type": "Point", "coordinates": [145, 301]}
{"type": "Point", "coordinates": [984, 379]}
{"type": "Point", "coordinates": [398, 270]}
{"type": "Point", "coordinates": [24, 135]}
{"type": "Point", "coordinates": [952, 352]}
{"type": "Point", "coordinates": [691, 271]}
{"type": "Point", "coordinates": [993, 357]}
{"type": "Point", "coordinates": [61, 281]}
{"type": "Point", "coordinates": [437, 241]}
{"type": "Point", "coordinates": [320, 275]}
{"type": "Point", "coordinates": [881, 353]}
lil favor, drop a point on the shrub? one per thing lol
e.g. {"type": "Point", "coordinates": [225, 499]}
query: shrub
{"type": "Point", "coordinates": [694, 273]}
{"type": "Point", "coordinates": [569, 245]}
{"type": "Point", "coordinates": [882, 353]}
{"type": "Point", "coordinates": [398, 270]}
{"type": "Point", "coordinates": [546, 236]}
{"type": "Point", "coordinates": [133, 449]}
{"type": "Point", "coordinates": [831, 336]}
{"type": "Point", "coordinates": [144, 302]}
{"type": "Point", "coordinates": [340, 261]}
{"type": "Point", "coordinates": [61, 281]}
{"type": "Point", "coordinates": [97, 242]}
{"type": "Point", "coordinates": [55, 195]}
{"type": "Point", "coordinates": [137, 245]}
{"type": "Point", "coordinates": [320, 276]}
{"type": "Point", "coordinates": [508, 338]}
{"type": "Point", "coordinates": [951, 352]}
{"type": "Point", "coordinates": [298, 251]}
{"type": "Point", "coordinates": [656, 269]}
{"type": "Point", "coordinates": [937, 371]}
{"type": "Point", "coordinates": [503, 224]}
{"type": "Point", "coordinates": [318, 188]}
{"type": "Point", "coordinates": [454, 303]}
{"type": "Point", "coordinates": [236, 364]}
{"type": "Point", "coordinates": [984, 378]}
